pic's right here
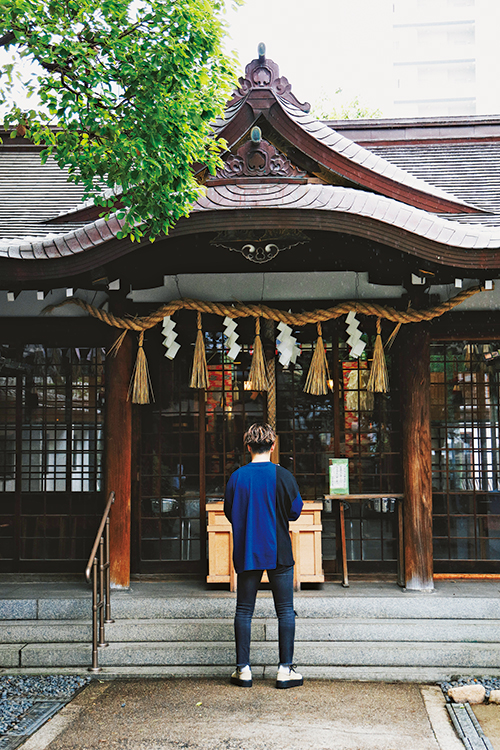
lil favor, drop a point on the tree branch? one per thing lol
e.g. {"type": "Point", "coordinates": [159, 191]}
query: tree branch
{"type": "Point", "coordinates": [7, 39]}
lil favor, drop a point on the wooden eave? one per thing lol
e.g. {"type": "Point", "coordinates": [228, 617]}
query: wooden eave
{"type": "Point", "coordinates": [30, 273]}
{"type": "Point", "coordinates": [312, 147]}
{"type": "Point", "coordinates": [265, 104]}
{"type": "Point", "coordinates": [343, 223]}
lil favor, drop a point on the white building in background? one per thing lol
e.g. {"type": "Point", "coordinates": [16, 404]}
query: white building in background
{"type": "Point", "coordinates": [446, 57]}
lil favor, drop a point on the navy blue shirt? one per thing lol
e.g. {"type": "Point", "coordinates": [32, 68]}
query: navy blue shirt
{"type": "Point", "coordinates": [261, 497]}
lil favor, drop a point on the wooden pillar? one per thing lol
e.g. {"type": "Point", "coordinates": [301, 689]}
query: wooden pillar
{"type": "Point", "coordinates": [414, 373]}
{"type": "Point", "coordinates": [119, 459]}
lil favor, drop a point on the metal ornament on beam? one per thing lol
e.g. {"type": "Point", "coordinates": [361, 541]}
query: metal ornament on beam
{"type": "Point", "coordinates": [258, 246]}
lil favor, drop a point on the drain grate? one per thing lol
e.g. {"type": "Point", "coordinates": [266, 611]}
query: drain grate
{"type": "Point", "coordinates": [38, 714]}
{"type": "Point", "coordinates": [468, 727]}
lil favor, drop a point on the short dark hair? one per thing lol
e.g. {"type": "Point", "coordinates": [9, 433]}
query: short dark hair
{"type": "Point", "coordinates": [260, 438]}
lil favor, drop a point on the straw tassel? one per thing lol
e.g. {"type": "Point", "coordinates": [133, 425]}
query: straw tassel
{"type": "Point", "coordinates": [140, 388]}
{"type": "Point", "coordinates": [258, 371]}
{"type": "Point", "coordinates": [199, 374]}
{"type": "Point", "coordinates": [318, 376]}
{"type": "Point", "coordinates": [379, 378]}
{"type": "Point", "coordinates": [115, 348]}
{"type": "Point", "coordinates": [390, 340]}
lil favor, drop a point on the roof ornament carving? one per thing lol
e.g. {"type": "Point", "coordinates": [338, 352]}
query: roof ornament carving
{"type": "Point", "coordinates": [257, 158]}
{"type": "Point", "coordinates": [260, 246]}
{"type": "Point", "coordinates": [263, 73]}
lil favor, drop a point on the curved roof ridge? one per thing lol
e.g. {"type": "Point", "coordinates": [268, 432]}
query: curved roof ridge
{"type": "Point", "coordinates": [310, 196]}
{"type": "Point", "coordinates": [361, 155]}
{"type": "Point", "coordinates": [54, 245]}
{"type": "Point", "coordinates": [386, 210]}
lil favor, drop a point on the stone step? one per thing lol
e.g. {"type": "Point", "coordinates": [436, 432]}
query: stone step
{"type": "Point", "coordinates": [361, 673]}
{"type": "Point", "coordinates": [450, 656]}
{"type": "Point", "coordinates": [399, 605]}
{"type": "Point", "coordinates": [263, 629]}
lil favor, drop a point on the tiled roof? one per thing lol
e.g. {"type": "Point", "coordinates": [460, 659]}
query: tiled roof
{"type": "Point", "coordinates": [370, 159]}
{"type": "Point", "coordinates": [32, 193]}
{"type": "Point", "coordinates": [471, 171]}
{"type": "Point", "coordinates": [347, 200]}
{"type": "Point", "coordinates": [327, 198]}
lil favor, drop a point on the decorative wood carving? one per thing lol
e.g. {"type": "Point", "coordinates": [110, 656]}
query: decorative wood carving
{"type": "Point", "coordinates": [260, 246]}
{"type": "Point", "coordinates": [263, 73]}
{"type": "Point", "coordinates": [257, 160]}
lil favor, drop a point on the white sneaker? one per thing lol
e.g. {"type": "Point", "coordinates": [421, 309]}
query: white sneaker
{"type": "Point", "coordinates": [242, 677]}
{"type": "Point", "coordinates": [288, 677]}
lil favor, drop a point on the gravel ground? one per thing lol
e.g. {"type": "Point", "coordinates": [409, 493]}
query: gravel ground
{"type": "Point", "coordinates": [18, 694]}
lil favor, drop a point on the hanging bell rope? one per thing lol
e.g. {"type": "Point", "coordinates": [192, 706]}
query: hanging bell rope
{"type": "Point", "coordinates": [258, 371]}
{"type": "Point", "coordinates": [199, 374]}
{"type": "Point", "coordinates": [379, 378]}
{"type": "Point", "coordinates": [141, 389]}
{"type": "Point", "coordinates": [318, 375]}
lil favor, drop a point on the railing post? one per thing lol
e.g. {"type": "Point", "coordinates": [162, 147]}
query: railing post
{"type": "Point", "coordinates": [102, 641]}
{"type": "Point", "coordinates": [101, 593]}
{"type": "Point", "coordinates": [107, 576]}
{"type": "Point", "coordinates": [95, 657]}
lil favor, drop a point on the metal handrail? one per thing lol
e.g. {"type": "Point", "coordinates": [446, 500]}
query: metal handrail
{"type": "Point", "coordinates": [98, 565]}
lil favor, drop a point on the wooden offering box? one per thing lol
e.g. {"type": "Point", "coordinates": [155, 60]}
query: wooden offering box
{"type": "Point", "coordinates": [305, 533]}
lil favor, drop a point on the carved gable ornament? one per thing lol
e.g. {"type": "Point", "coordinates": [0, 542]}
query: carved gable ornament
{"type": "Point", "coordinates": [260, 159]}
{"type": "Point", "coordinates": [263, 73]}
{"type": "Point", "coordinates": [260, 246]}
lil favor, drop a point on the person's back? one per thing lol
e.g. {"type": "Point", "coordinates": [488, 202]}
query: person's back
{"type": "Point", "coordinates": [260, 500]}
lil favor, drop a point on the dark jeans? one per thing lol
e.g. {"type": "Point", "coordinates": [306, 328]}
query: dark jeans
{"type": "Point", "coordinates": [281, 581]}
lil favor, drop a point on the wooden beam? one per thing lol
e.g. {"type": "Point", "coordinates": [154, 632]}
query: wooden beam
{"type": "Point", "coordinates": [414, 371]}
{"type": "Point", "coordinates": [119, 460]}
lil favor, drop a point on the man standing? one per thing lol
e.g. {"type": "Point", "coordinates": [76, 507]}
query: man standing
{"type": "Point", "coordinates": [261, 498]}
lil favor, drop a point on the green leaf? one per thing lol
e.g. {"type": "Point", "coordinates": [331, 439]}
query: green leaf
{"type": "Point", "coordinates": [131, 90]}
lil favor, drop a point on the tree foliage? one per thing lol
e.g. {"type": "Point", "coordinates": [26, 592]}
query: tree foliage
{"type": "Point", "coordinates": [329, 109]}
{"type": "Point", "coordinates": [128, 90]}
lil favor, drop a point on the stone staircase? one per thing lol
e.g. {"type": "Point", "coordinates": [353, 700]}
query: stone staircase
{"type": "Point", "coordinates": [370, 631]}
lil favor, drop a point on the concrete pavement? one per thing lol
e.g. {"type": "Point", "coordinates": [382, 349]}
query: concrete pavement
{"type": "Point", "coordinates": [211, 714]}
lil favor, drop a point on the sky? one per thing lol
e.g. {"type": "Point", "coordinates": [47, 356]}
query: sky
{"type": "Point", "coordinates": [310, 45]}
{"type": "Point", "coordinates": [320, 46]}
{"type": "Point", "coordinates": [363, 47]}
{"type": "Point", "coordinates": [327, 45]}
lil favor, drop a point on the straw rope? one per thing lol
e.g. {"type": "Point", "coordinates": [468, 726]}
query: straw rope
{"type": "Point", "coordinates": [242, 310]}
{"type": "Point", "coordinates": [258, 371]}
{"type": "Point", "coordinates": [379, 378]}
{"type": "Point", "coordinates": [140, 389]}
{"type": "Point", "coordinates": [318, 375]}
{"type": "Point", "coordinates": [199, 373]}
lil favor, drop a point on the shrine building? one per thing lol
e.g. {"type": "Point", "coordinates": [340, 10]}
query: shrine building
{"type": "Point", "coordinates": [388, 228]}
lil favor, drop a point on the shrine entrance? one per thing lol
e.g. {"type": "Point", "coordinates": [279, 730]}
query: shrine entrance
{"type": "Point", "coordinates": [188, 442]}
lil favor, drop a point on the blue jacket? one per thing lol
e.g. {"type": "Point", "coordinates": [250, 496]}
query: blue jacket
{"type": "Point", "coordinates": [261, 497]}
